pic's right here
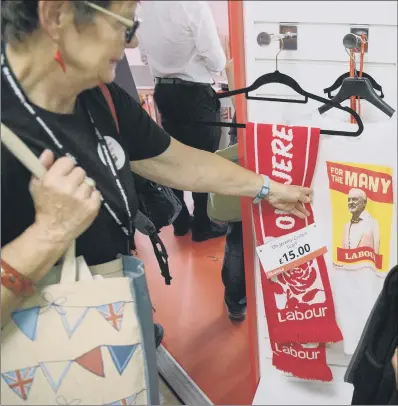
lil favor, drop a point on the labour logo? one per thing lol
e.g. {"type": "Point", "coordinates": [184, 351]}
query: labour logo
{"type": "Point", "coordinates": [297, 290]}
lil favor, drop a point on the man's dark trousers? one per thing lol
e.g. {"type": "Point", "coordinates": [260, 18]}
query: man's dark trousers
{"type": "Point", "coordinates": [180, 105]}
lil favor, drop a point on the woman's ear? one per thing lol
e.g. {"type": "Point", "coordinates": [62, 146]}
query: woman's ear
{"type": "Point", "coordinates": [133, 43]}
{"type": "Point", "coordinates": [53, 16]}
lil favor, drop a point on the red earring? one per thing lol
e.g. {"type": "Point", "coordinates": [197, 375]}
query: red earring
{"type": "Point", "coordinates": [58, 58]}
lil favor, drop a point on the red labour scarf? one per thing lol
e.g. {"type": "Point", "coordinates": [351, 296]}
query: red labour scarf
{"type": "Point", "coordinates": [298, 303]}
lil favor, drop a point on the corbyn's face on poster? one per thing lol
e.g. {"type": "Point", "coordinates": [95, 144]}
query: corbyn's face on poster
{"type": "Point", "coordinates": [356, 201]}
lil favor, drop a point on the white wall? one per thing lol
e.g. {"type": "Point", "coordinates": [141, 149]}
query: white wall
{"type": "Point", "coordinates": [320, 57]}
{"type": "Point", "coordinates": [318, 61]}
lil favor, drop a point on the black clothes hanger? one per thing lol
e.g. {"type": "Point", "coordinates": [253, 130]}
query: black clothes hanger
{"type": "Point", "coordinates": [278, 77]}
{"type": "Point", "coordinates": [360, 87]}
{"type": "Point", "coordinates": [357, 87]}
{"type": "Point", "coordinates": [340, 79]}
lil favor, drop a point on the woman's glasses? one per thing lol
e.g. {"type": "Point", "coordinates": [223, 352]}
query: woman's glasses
{"type": "Point", "coordinates": [131, 25]}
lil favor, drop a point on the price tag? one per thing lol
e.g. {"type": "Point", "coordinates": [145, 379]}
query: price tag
{"type": "Point", "coordinates": [285, 253]}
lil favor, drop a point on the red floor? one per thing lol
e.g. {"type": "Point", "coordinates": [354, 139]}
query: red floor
{"type": "Point", "coordinates": [213, 350]}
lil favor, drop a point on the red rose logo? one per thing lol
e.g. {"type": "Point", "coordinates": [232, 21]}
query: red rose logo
{"type": "Point", "coordinates": [299, 279]}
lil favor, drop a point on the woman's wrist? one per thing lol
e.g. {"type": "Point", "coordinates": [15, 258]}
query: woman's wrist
{"type": "Point", "coordinates": [263, 193]}
{"type": "Point", "coordinates": [32, 255]}
{"type": "Point", "coordinates": [258, 183]}
{"type": "Point", "coordinates": [14, 281]}
{"type": "Point", "coordinates": [52, 244]}
{"type": "Point", "coordinates": [50, 234]}
{"type": "Point", "coordinates": [35, 251]}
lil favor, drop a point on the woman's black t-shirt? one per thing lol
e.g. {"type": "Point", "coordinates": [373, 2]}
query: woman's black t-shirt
{"type": "Point", "coordinates": [140, 138]}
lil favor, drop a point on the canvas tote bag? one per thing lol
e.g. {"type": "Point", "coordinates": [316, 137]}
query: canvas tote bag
{"type": "Point", "coordinates": [225, 209]}
{"type": "Point", "coordinates": [86, 336]}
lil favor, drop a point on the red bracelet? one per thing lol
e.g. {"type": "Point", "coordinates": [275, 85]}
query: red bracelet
{"type": "Point", "coordinates": [14, 281]}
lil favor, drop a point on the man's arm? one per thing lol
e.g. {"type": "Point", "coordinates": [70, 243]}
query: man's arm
{"type": "Point", "coordinates": [206, 36]}
{"type": "Point", "coordinates": [229, 70]}
{"type": "Point", "coordinates": [144, 57]}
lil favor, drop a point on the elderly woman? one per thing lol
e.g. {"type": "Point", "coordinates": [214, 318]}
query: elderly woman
{"type": "Point", "coordinates": [55, 54]}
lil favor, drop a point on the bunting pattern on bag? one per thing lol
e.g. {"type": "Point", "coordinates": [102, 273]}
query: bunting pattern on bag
{"type": "Point", "coordinates": [121, 355]}
{"type": "Point", "coordinates": [71, 316]}
{"type": "Point", "coordinates": [113, 314]}
{"type": "Point", "coordinates": [92, 361]}
{"type": "Point", "coordinates": [130, 400]}
{"type": "Point", "coordinates": [21, 380]}
{"type": "Point", "coordinates": [61, 400]}
{"type": "Point", "coordinates": [26, 320]}
{"type": "Point", "coordinates": [55, 372]}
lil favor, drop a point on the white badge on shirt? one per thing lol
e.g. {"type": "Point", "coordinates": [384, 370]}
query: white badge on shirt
{"type": "Point", "coordinates": [116, 150]}
{"type": "Point", "coordinates": [289, 251]}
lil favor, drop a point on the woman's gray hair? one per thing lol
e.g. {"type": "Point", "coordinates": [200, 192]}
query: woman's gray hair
{"type": "Point", "coordinates": [19, 18]}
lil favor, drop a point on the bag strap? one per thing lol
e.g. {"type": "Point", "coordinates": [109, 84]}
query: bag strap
{"type": "Point", "coordinates": [108, 97]}
{"type": "Point", "coordinates": [161, 256]}
{"type": "Point", "coordinates": [20, 150]}
{"type": "Point", "coordinates": [144, 225]}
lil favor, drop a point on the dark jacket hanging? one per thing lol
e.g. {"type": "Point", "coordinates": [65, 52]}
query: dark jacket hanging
{"type": "Point", "coordinates": [371, 371]}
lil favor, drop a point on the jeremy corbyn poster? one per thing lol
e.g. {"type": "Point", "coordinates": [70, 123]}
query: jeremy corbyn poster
{"type": "Point", "coordinates": [362, 205]}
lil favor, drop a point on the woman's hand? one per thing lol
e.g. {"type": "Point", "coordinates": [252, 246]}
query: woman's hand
{"type": "Point", "coordinates": [289, 198]}
{"type": "Point", "coordinates": [65, 203]}
{"type": "Point", "coordinates": [65, 206]}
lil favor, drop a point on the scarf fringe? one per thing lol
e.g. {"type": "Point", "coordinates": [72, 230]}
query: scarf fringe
{"type": "Point", "coordinates": [321, 334]}
{"type": "Point", "coordinates": [309, 372]}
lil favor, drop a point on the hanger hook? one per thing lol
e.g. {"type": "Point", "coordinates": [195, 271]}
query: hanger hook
{"type": "Point", "coordinates": [361, 38]}
{"type": "Point", "coordinates": [352, 57]}
{"type": "Point", "coordinates": [282, 45]}
{"type": "Point", "coordinates": [350, 41]}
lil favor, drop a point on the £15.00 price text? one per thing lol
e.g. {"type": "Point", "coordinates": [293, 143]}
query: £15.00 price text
{"type": "Point", "coordinates": [296, 253]}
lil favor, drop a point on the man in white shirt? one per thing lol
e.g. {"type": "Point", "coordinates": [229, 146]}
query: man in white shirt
{"type": "Point", "coordinates": [362, 230]}
{"type": "Point", "coordinates": [180, 43]}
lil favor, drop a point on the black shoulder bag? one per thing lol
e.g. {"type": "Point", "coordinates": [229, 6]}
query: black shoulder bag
{"type": "Point", "coordinates": [158, 202]}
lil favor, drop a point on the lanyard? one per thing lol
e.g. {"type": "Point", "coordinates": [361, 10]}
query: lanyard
{"type": "Point", "coordinates": [109, 161]}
